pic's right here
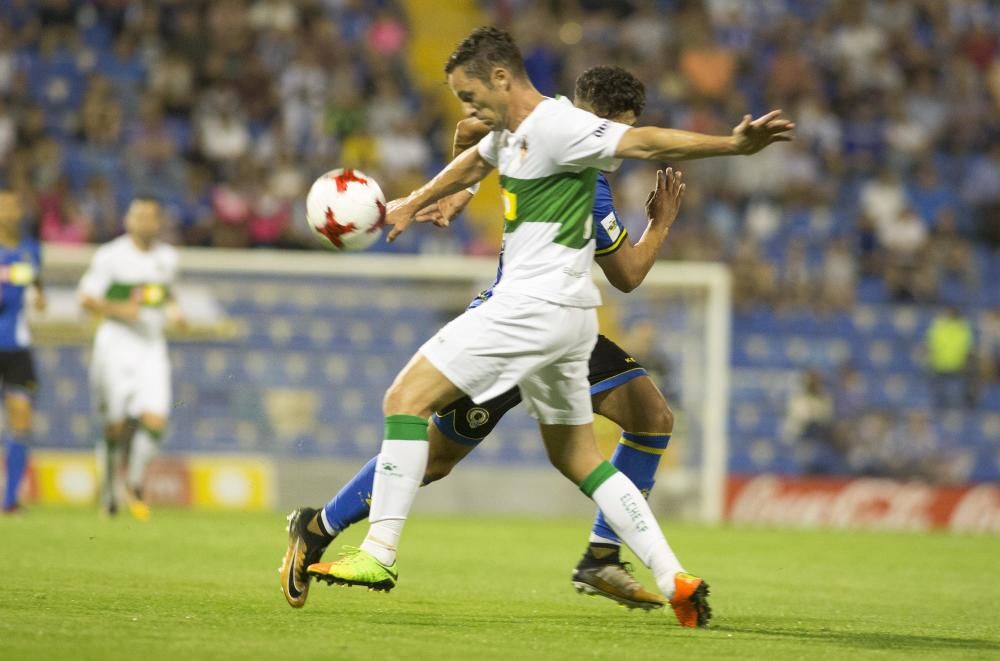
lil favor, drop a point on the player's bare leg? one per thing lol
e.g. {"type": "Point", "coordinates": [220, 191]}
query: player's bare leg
{"type": "Point", "coordinates": [18, 413]}
{"type": "Point", "coordinates": [109, 452]}
{"type": "Point", "coordinates": [143, 446]}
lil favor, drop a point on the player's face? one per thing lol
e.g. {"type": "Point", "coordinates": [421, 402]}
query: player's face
{"type": "Point", "coordinates": [485, 103]}
{"type": "Point", "coordinates": [143, 220]}
{"type": "Point", "coordinates": [10, 209]}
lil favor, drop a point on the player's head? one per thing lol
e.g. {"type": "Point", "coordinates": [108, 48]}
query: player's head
{"type": "Point", "coordinates": [10, 208]}
{"type": "Point", "coordinates": [482, 71]}
{"type": "Point", "coordinates": [610, 92]}
{"type": "Point", "coordinates": [143, 218]}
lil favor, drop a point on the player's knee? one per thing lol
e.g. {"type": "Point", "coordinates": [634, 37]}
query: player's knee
{"type": "Point", "coordinates": [403, 401]}
{"type": "Point", "coordinates": [153, 422]}
{"type": "Point", "coordinates": [662, 419]}
{"type": "Point", "coordinates": [652, 419]}
{"type": "Point", "coordinates": [115, 432]}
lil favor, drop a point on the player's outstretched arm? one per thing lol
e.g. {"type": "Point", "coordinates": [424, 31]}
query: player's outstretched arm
{"type": "Point", "coordinates": [749, 137]}
{"type": "Point", "coordinates": [628, 266]}
{"type": "Point", "coordinates": [468, 169]}
{"type": "Point", "coordinates": [468, 133]}
{"type": "Point", "coordinates": [127, 311]}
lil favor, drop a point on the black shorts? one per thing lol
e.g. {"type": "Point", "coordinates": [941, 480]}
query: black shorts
{"type": "Point", "coordinates": [17, 370]}
{"type": "Point", "coordinates": [468, 423]}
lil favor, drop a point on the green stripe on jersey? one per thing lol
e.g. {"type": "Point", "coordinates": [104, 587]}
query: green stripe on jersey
{"type": "Point", "coordinates": [153, 294]}
{"type": "Point", "coordinates": [566, 198]}
{"type": "Point", "coordinates": [405, 428]}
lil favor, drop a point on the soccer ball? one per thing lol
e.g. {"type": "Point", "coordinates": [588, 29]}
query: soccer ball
{"type": "Point", "coordinates": [346, 210]}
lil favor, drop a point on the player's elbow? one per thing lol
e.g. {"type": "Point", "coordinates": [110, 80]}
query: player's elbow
{"type": "Point", "coordinates": [624, 281]}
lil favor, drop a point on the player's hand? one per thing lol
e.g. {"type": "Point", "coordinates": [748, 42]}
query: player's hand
{"type": "Point", "coordinates": [175, 316]}
{"type": "Point", "coordinates": [752, 135]}
{"type": "Point", "coordinates": [442, 212]}
{"type": "Point", "coordinates": [664, 201]}
{"type": "Point", "coordinates": [468, 133]}
{"type": "Point", "coordinates": [127, 311]}
{"type": "Point", "coordinates": [399, 214]}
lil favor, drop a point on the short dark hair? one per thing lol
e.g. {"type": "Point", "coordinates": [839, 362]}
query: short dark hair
{"type": "Point", "coordinates": [487, 47]}
{"type": "Point", "coordinates": [610, 91]}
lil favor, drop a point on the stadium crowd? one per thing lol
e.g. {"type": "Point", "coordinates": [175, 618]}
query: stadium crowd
{"type": "Point", "coordinates": [226, 110]}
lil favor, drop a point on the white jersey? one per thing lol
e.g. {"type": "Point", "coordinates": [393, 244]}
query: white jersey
{"type": "Point", "coordinates": [120, 271]}
{"type": "Point", "coordinates": [548, 171]}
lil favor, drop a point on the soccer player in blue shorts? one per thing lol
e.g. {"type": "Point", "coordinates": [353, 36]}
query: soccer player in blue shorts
{"type": "Point", "coordinates": [20, 268]}
{"type": "Point", "coordinates": [620, 388]}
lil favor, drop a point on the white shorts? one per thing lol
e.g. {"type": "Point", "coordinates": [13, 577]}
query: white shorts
{"type": "Point", "coordinates": [126, 383]}
{"type": "Point", "coordinates": [517, 340]}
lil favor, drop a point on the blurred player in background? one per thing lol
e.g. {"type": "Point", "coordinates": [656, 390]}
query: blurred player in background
{"type": "Point", "coordinates": [539, 328]}
{"type": "Point", "coordinates": [20, 270]}
{"type": "Point", "coordinates": [128, 284]}
{"type": "Point", "coordinates": [620, 388]}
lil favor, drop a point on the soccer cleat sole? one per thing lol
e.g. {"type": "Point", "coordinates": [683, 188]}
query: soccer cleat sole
{"type": "Point", "coordinates": [293, 593]}
{"type": "Point", "coordinates": [381, 586]}
{"type": "Point", "coordinates": [588, 589]}
{"type": "Point", "coordinates": [698, 600]}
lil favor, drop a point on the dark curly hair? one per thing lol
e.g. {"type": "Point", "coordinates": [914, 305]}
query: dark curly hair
{"type": "Point", "coordinates": [611, 91]}
{"type": "Point", "coordinates": [487, 47]}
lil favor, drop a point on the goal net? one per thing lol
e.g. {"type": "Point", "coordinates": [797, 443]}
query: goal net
{"type": "Point", "coordinates": [289, 355]}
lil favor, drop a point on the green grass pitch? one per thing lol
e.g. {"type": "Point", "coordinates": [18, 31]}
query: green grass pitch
{"type": "Point", "coordinates": [189, 586]}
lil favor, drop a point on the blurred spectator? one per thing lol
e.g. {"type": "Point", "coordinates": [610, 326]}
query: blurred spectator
{"type": "Point", "coordinates": [60, 220]}
{"type": "Point", "coordinates": [981, 191]}
{"type": "Point", "coordinates": [839, 278]}
{"type": "Point", "coordinates": [949, 356]}
{"type": "Point", "coordinates": [796, 282]}
{"type": "Point", "coordinates": [913, 451]}
{"type": "Point", "coordinates": [808, 425]}
{"type": "Point", "coordinates": [988, 348]}
{"type": "Point", "coordinates": [97, 204]}
{"type": "Point", "coordinates": [152, 158]}
{"type": "Point", "coordinates": [645, 340]}
{"type": "Point", "coordinates": [754, 280]}
{"type": "Point", "coordinates": [223, 135]}
{"type": "Point", "coordinates": [707, 67]}
{"type": "Point", "coordinates": [907, 276]}
{"type": "Point", "coordinates": [883, 198]}
{"type": "Point", "coordinates": [948, 253]}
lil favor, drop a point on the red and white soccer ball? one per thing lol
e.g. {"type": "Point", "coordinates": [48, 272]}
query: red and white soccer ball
{"type": "Point", "coordinates": [346, 210]}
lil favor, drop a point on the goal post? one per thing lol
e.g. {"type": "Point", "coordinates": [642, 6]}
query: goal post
{"type": "Point", "coordinates": [321, 322]}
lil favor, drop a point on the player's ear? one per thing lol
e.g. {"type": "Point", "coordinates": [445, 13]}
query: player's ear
{"type": "Point", "coordinates": [500, 78]}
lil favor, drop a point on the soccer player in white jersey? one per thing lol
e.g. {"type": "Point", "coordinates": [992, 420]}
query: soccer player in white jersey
{"type": "Point", "coordinates": [539, 327]}
{"type": "Point", "coordinates": [620, 388]}
{"type": "Point", "coordinates": [128, 284]}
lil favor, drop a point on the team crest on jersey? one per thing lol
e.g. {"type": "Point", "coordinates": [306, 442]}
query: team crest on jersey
{"type": "Point", "coordinates": [477, 417]}
{"type": "Point", "coordinates": [153, 294]}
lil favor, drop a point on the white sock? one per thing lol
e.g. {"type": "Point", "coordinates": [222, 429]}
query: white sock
{"type": "Point", "coordinates": [630, 517]}
{"type": "Point", "coordinates": [398, 474]}
{"type": "Point", "coordinates": [107, 464]}
{"type": "Point", "coordinates": [141, 452]}
{"type": "Point", "coordinates": [597, 539]}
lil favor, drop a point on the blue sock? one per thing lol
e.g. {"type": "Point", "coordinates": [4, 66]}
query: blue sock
{"type": "Point", "coordinates": [17, 462]}
{"type": "Point", "coordinates": [638, 457]}
{"type": "Point", "coordinates": [352, 502]}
